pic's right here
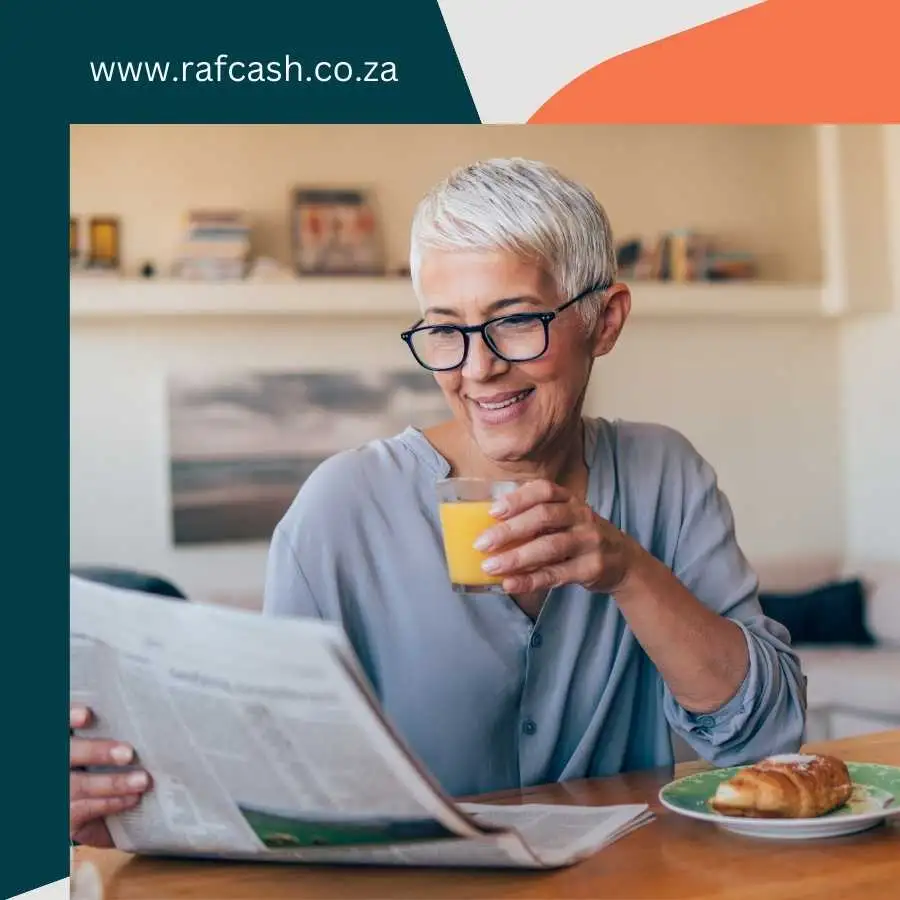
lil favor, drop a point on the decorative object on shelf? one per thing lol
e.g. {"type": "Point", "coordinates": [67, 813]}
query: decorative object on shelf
{"type": "Point", "coordinates": [681, 256]}
{"type": "Point", "coordinates": [639, 259]}
{"type": "Point", "coordinates": [729, 267]}
{"type": "Point", "coordinates": [242, 443]}
{"type": "Point", "coordinates": [215, 247]}
{"type": "Point", "coordinates": [628, 255]}
{"type": "Point", "coordinates": [686, 255]}
{"type": "Point", "coordinates": [103, 243]}
{"type": "Point", "coordinates": [268, 270]}
{"type": "Point", "coordinates": [74, 242]}
{"type": "Point", "coordinates": [335, 231]}
{"type": "Point", "coordinates": [148, 270]}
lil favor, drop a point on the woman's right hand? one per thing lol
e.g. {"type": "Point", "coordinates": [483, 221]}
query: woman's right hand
{"type": "Point", "coordinates": [93, 796]}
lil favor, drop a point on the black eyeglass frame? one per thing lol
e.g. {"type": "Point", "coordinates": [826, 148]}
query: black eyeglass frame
{"type": "Point", "coordinates": [545, 318]}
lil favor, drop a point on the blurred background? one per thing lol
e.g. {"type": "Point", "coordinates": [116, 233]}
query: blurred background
{"type": "Point", "coordinates": [237, 295]}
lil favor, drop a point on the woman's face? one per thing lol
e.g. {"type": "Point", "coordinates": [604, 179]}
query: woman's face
{"type": "Point", "coordinates": [513, 411]}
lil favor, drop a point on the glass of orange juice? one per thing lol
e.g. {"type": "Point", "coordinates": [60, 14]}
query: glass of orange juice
{"type": "Point", "coordinates": [464, 505]}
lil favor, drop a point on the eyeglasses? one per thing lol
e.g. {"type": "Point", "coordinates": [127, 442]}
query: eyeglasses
{"type": "Point", "coordinates": [521, 337]}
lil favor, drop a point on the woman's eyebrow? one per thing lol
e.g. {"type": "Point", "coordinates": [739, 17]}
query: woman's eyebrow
{"type": "Point", "coordinates": [496, 306]}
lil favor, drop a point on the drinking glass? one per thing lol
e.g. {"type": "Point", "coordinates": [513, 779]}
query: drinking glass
{"type": "Point", "coordinates": [465, 505]}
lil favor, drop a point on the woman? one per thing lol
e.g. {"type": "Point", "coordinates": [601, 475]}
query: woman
{"type": "Point", "coordinates": [631, 613]}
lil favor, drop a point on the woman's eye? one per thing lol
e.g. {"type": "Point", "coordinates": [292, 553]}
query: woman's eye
{"type": "Point", "coordinates": [517, 323]}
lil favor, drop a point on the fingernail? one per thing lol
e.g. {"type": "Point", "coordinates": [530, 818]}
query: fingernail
{"type": "Point", "coordinates": [137, 780]}
{"type": "Point", "coordinates": [500, 508]}
{"type": "Point", "coordinates": [122, 754]}
{"type": "Point", "coordinates": [77, 717]}
{"type": "Point", "coordinates": [490, 565]}
{"type": "Point", "coordinates": [484, 541]}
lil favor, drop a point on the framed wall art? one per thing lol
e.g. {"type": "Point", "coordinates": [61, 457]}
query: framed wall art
{"type": "Point", "coordinates": [241, 443]}
{"type": "Point", "coordinates": [335, 231]}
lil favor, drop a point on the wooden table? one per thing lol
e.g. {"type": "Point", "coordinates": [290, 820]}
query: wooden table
{"type": "Point", "coordinates": [673, 857]}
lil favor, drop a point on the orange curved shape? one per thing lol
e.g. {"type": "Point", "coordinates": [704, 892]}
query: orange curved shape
{"type": "Point", "coordinates": [783, 61]}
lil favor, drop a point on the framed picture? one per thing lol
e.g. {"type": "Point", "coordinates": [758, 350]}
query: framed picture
{"type": "Point", "coordinates": [103, 236]}
{"type": "Point", "coordinates": [242, 442]}
{"type": "Point", "coordinates": [335, 231]}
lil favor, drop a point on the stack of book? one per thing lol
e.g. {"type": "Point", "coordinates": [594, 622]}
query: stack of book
{"type": "Point", "coordinates": [215, 247]}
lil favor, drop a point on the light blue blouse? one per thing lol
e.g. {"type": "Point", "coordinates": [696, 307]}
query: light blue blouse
{"type": "Point", "coordinates": [488, 699]}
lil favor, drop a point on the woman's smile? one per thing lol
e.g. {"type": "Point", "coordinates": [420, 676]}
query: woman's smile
{"type": "Point", "coordinates": [498, 408]}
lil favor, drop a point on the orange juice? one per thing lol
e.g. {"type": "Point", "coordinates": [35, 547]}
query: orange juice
{"type": "Point", "coordinates": [463, 523]}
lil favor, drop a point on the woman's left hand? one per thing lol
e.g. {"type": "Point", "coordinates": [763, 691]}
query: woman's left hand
{"type": "Point", "coordinates": [547, 537]}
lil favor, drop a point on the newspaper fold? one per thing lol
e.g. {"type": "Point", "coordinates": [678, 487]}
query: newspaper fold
{"type": "Point", "coordinates": [265, 742]}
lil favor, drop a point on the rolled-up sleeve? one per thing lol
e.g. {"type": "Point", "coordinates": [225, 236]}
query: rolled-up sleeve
{"type": "Point", "coordinates": [767, 714]}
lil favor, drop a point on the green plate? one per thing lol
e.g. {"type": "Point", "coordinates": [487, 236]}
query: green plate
{"type": "Point", "coordinates": [876, 797]}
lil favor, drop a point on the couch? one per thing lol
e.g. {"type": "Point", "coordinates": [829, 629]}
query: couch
{"type": "Point", "coordinates": [850, 689]}
{"type": "Point", "coordinates": [129, 580]}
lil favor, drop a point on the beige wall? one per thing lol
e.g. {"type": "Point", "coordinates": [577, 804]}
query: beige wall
{"type": "Point", "coordinates": [870, 363]}
{"type": "Point", "coordinates": [760, 400]}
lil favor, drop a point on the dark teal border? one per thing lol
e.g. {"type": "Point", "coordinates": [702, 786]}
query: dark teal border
{"type": "Point", "coordinates": [45, 49]}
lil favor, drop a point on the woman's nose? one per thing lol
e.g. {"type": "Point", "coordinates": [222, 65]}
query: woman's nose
{"type": "Point", "coordinates": [481, 363]}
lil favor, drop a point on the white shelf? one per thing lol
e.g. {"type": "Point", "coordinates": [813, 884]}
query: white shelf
{"type": "Point", "coordinates": [734, 300]}
{"type": "Point", "coordinates": [126, 298]}
{"type": "Point", "coordinates": [105, 298]}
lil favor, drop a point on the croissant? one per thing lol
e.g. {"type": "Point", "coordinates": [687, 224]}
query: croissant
{"type": "Point", "coordinates": [791, 786]}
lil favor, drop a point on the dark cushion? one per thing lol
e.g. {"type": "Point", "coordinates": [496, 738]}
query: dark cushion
{"type": "Point", "coordinates": [834, 613]}
{"type": "Point", "coordinates": [130, 580]}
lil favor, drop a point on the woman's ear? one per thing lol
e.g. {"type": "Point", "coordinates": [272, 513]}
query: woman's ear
{"type": "Point", "coordinates": [615, 311]}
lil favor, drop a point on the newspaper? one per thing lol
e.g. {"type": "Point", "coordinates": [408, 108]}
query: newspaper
{"type": "Point", "coordinates": [264, 741]}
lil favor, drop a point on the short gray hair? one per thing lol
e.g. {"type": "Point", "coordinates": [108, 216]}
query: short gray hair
{"type": "Point", "coordinates": [524, 207]}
